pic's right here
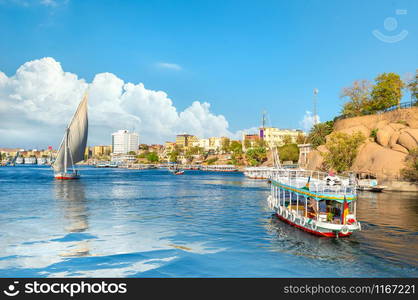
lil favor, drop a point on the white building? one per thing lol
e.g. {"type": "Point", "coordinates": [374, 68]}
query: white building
{"type": "Point", "coordinates": [124, 141]}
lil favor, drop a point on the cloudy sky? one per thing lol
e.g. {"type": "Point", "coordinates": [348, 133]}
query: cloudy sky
{"type": "Point", "coordinates": [208, 68]}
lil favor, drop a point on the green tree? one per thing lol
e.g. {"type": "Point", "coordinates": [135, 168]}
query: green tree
{"type": "Point", "coordinates": [386, 93]}
{"type": "Point", "coordinates": [318, 133]}
{"type": "Point", "coordinates": [342, 150]}
{"type": "Point", "coordinates": [410, 172]}
{"type": "Point", "coordinates": [172, 157]}
{"type": "Point", "coordinates": [289, 152]}
{"type": "Point", "coordinates": [152, 157]}
{"type": "Point", "coordinates": [132, 153]}
{"type": "Point", "coordinates": [256, 156]}
{"type": "Point", "coordinates": [412, 86]}
{"type": "Point", "coordinates": [359, 98]}
{"type": "Point", "coordinates": [247, 144]}
{"type": "Point", "coordinates": [225, 145]}
{"type": "Point", "coordinates": [235, 147]}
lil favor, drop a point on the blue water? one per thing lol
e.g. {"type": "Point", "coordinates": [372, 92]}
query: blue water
{"type": "Point", "coordinates": [149, 223]}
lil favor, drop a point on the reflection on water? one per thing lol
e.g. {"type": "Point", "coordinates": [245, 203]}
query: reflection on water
{"type": "Point", "coordinates": [119, 223]}
{"type": "Point", "coordinates": [71, 197]}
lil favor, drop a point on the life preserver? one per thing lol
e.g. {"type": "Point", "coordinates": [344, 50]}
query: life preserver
{"type": "Point", "coordinates": [314, 226]}
{"type": "Point", "coordinates": [302, 221]}
{"type": "Point", "coordinates": [285, 213]}
{"type": "Point", "coordinates": [293, 217]}
{"type": "Point", "coordinates": [344, 230]}
{"type": "Point", "coordinates": [280, 210]}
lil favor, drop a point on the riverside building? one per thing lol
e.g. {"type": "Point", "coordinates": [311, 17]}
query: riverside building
{"type": "Point", "coordinates": [124, 142]}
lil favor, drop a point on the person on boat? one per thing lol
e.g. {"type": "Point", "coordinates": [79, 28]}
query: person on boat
{"type": "Point", "coordinates": [322, 206]}
{"type": "Point", "coordinates": [336, 215]}
{"type": "Point", "coordinates": [312, 212]}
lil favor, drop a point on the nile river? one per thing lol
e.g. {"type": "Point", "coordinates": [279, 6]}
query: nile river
{"type": "Point", "coordinates": [149, 223]}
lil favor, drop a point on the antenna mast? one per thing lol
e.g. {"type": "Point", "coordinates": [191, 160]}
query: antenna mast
{"type": "Point", "coordinates": [315, 120]}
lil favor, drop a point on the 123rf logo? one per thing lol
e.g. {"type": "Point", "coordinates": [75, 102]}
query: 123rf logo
{"type": "Point", "coordinates": [11, 290]}
{"type": "Point", "coordinates": [70, 289]}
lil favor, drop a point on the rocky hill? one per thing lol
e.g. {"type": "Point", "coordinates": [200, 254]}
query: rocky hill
{"type": "Point", "coordinates": [384, 152]}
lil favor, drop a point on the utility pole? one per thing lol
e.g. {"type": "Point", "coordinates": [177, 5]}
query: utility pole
{"type": "Point", "coordinates": [315, 92]}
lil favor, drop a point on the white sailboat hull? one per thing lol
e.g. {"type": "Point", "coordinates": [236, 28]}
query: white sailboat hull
{"type": "Point", "coordinates": [66, 176]}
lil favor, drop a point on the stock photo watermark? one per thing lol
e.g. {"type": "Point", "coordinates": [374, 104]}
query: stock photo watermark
{"type": "Point", "coordinates": [390, 25]}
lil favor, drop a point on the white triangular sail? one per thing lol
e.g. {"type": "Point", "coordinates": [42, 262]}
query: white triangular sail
{"type": "Point", "coordinates": [75, 140]}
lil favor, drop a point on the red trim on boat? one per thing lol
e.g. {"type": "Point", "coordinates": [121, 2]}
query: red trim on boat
{"type": "Point", "coordinates": [318, 233]}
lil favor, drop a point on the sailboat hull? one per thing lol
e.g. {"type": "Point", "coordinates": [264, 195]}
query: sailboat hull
{"type": "Point", "coordinates": [66, 176]}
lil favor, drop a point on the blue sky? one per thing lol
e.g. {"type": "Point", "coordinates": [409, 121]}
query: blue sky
{"type": "Point", "coordinates": [242, 57]}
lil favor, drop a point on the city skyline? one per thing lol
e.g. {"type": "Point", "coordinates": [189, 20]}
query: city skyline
{"type": "Point", "coordinates": [214, 78]}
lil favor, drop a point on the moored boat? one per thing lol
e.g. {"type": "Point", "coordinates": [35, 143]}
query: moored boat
{"type": "Point", "coordinates": [315, 202]}
{"type": "Point", "coordinates": [73, 145]}
{"type": "Point", "coordinates": [258, 172]}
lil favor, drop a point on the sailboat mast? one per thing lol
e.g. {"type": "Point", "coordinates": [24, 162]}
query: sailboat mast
{"type": "Point", "coordinates": [65, 150]}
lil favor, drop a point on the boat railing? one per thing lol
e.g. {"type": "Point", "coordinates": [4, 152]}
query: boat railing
{"type": "Point", "coordinates": [318, 182]}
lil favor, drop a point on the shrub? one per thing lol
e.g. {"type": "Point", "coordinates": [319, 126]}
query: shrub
{"type": "Point", "coordinates": [342, 150]}
{"type": "Point", "coordinates": [373, 134]}
{"type": "Point", "coordinates": [289, 152]}
{"type": "Point", "coordinates": [256, 156]}
{"type": "Point", "coordinates": [410, 172]}
{"type": "Point", "coordinates": [211, 160]}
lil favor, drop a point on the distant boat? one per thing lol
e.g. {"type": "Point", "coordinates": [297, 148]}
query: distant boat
{"type": "Point", "coordinates": [73, 144]}
{"type": "Point", "coordinates": [175, 170]}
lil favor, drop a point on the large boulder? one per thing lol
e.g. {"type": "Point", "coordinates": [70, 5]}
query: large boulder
{"type": "Point", "coordinates": [397, 126]}
{"type": "Point", "coordinates": [357, 128]}
{"type": "Point", "coordinates": [315, 158]}
{"type": "Point", "coordinates": [394, 139]}
{"type": "Point", "coordinates": [408, 138]}
{"type": "Point", "coordinates": [373, 158]}
{"type": "Point", "coordinates": [399, 148]}
{"type": "Point", "coordinates": [384, 134]}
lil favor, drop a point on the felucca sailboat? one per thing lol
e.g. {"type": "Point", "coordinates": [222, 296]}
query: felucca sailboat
{"type": "Point", "coordinates": [73, 144]}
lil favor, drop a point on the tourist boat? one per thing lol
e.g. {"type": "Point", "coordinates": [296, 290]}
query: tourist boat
{"type": "Point", "coordinates": [106, 164]}
{"type": "Point", "coordinates": [315, 202]}
{"type": "Point", "coordinates": [73, 144]}
{"type": "Point", "coordinates": [178, 172]}
{"type": "Point", "coordinates": [258, 172]}
{"type": "Point", "coordinates": [41, 161]}
{"type": "Point", "coordinates": [219, 168]}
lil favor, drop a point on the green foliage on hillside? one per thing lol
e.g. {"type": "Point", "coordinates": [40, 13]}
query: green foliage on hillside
{"type": "Point", "coordinates": [342, 150]}
{"type": "Point", "coordinates": [411, 171]}
{"type": "Point", "coordinates": [318, 133]}
{"type": "Point", "coordinates": [211, 161]}
{"type": "Point", "coordinates": [359, 97]}
{"type": "Point", "coordinates": [289, 152]}
{"type": "Point", "coordinates": [172, 157]}
{"type": "Point", "coordinates": [412, 86]}
{"type": "Point", "coordinates": [152, 157]}
{"type": "Point", "coordinates": [387, 92]}
{"type": "Point", "coordinates": [256, 156]}
{"type": "Point", "coordinates": [366, 98]}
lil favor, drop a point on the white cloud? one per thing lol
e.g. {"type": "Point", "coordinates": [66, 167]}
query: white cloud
{"type": "Point", "coordinates": [38, 101]}
{"type": "Point", "coordinates": [308, 121]}
{"type": "Point", "coordinates": [170, 66]}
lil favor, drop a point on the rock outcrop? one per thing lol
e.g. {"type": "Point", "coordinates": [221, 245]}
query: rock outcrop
{"type": "Point", "coordinates": [384, 155]}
